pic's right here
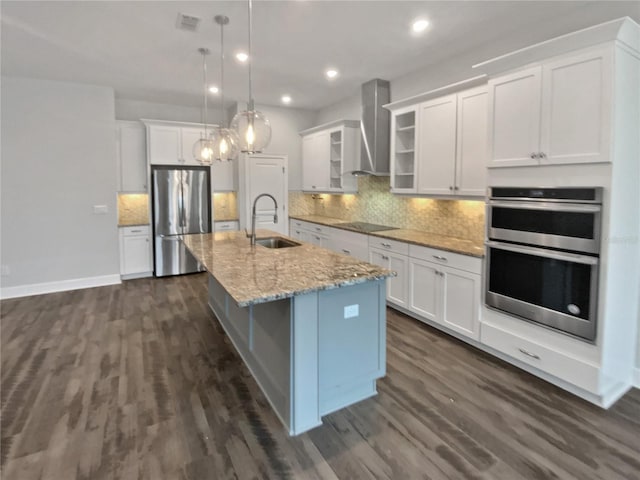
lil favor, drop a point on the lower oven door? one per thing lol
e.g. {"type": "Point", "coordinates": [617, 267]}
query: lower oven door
{"type": "Point", "coordinates": [552, 288]}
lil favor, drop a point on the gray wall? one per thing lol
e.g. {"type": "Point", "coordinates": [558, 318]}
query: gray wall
{"type": "Point", "coordinates": [285, 124]}
{"type": "Point", "coordinates": [58, 161]}
{"type": "Point", "coordinates": [136, 109]}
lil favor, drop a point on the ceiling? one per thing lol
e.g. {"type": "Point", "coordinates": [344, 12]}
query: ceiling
{"type": "Point", "coordinates": [135, 47]}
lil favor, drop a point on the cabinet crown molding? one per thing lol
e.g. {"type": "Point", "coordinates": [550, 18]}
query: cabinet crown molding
{"type": "Point", "coordinates": [622, 30]}
{"type": "Point", "coordinates": [437, 92]}
{"type": "Point", "coordinates": [334, 124]}
{"type": "Point", "coordinates": [170, 123]}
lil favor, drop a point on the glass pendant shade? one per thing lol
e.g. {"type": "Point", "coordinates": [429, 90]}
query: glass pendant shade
{"type": "Point", "coordinates": [254, 130]}
{"type": "Point", "coordinates": [226, 144]}
{"type": "Point", "coordinates": [203, 151]}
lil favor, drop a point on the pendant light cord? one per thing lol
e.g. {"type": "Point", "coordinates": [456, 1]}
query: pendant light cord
{"type": "Point", "coordinates": [204, 74]}
{"type": "Point", "coordinates": [224, 122]}
{"type": "Point", "coordinates": [250, 107]}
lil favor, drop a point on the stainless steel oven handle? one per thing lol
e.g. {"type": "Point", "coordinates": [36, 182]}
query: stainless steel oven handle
{"type": "Point", "coordinates": [554, 207]}
{"type": "Point", "coordinates": [542, 252]}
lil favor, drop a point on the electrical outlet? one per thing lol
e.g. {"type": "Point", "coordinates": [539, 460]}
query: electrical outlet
{"type": "Point", "coordinates": [5, 271]}
{"type": "Point", "coordinates": [351, 311]}
{"type": "Point", "coordinates": [100, 209]}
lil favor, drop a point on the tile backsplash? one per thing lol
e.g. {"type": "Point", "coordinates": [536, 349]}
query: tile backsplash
{"type": "Point", "coordinates": [375, 204]}
{"type": "Point", "coordinates": [133, 208]}
{"type": "Point", "coordinates": [225, 206]}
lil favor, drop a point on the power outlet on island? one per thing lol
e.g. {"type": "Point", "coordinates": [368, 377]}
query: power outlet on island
{"type": "Point", "coordinates": [351, 311]}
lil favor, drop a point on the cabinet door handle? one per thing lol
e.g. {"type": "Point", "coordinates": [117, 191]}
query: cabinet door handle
{"type": "Point", "coordinates": [384, 257]}
{"type": "Point", "coordinates": [456, 188]}
{"type": "Point", "coordinates": [316, 237]}
{"type": "Point", "coordinates": [450, 187]}
{"type": "Point", "coordinates": [348, 252]}
{"type": "Point", "coordinates": [136, 231]}
{"type": "Point", "coordinates": [533, 155]}
{"type": "Point", "coordinates": [298, 232]}
{"type": "Point", "coordinates": [439, 257]}
{"type": "Point", "coordinates": [542, 155]}
{"type": "Point", "coordinates": [386, 245]}
{"type": "Point", "coordinates": [318, 229]}
{"type": "Point", "coordinates": [529, 354]}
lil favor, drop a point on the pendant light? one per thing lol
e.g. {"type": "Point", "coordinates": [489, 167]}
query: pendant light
{"type": "Point", "coordinates": [203, 148]}
{"type": "Point", "coordinates": [226, 143]}
{"type": "Point", "coordinates": [252, 126]}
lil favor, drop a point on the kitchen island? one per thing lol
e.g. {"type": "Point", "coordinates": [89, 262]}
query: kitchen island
{"type": "Point", "coordinates": [309, 323]}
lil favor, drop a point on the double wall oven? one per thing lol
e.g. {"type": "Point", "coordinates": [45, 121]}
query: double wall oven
{"type": "Point", "coordinates": [543, 253]}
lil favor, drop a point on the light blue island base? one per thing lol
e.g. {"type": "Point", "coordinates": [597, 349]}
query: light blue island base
{"type": "Point", "coordinates": [308, 359]}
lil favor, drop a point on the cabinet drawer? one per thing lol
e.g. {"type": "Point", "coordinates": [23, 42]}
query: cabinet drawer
{"type": "Point", "coordinates": [442, 257]}
{"type": "Point", "coordinates": [388, 245]}
{"type": "Point", "coordinates": [136, 230]}
{"type": "Point", "coordinates": [226, 226]}
{"type": "Point", "coordinates": [553, 362]}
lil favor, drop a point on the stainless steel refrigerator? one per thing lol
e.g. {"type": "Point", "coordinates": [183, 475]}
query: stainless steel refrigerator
{"type": "Point", "coordinates": [181, 206]}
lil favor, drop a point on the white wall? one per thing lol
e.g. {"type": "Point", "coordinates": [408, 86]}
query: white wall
{"type": "Point", "coordinates": [58, 161]}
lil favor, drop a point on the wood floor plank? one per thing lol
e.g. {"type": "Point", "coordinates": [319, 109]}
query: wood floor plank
{"type": "Point", "coordinates": [138, 381]}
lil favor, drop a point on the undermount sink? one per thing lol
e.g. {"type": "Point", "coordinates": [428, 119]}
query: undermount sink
{"type": "Point", "coordinates": [276, 242]}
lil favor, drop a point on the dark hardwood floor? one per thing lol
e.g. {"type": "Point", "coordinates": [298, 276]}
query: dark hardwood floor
{"type": "Point", "coordinates": [138, 381]}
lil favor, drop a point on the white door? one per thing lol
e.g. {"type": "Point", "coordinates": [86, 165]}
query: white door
{"type": "Point", "coordinates": [460, 301]}
{"type": "Point", "coordinates": [164, 145]}
{"type": "Point", "coordinates": [315, 161]}
{"type": "Point", "coordinates": [471, 151]}
{"type": "Point", "coordinates": [189, 137]}
{"type": "Point", "coordinates": [576, 108]}
{"type": "Point", "coordinates": [397, 291]}
{"type": "Point", "coordinates": [267, 174]}
{"type": "Point", "coordinates": [424, 289]}
{"type": "Point", "coordinates": [437, 146]}
{"type": "Point", "coordinates": [318, 239]}
{"type": "Point", "coordinates": [132, 154]}
{"type": "Point", "coordinates": [514, 118]}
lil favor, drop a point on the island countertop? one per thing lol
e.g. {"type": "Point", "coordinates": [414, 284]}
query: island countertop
{"type": "Point", "coordinates": [258, 274]}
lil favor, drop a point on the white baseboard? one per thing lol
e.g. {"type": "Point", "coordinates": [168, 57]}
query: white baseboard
{"type": "Point", "coordinates": [636, 377]}
{"type": "Point", "coordinates": [61, 286]}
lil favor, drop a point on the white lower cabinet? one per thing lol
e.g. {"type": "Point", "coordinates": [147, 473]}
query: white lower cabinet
{"type": "Point", "coordinates": [396, 286]}
{"type": "Point", "coordinates": [135, 252]}
{"type": "Point", "coordinates": [445, 289]}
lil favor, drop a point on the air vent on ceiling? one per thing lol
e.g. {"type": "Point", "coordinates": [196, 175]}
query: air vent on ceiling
{"type": "Point", "coordinates": [187, 22]}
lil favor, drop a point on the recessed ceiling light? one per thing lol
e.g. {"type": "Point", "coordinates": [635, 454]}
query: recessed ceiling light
{"type": "Point", "coordinates": [331, 73]}
{"type": "Point", "coordinates": [286, 99]}
{"type": "Point", "coordinates": [214, 89]}
{"type": "Point", "coordinates": [420, 25]}
{"type": "Point", "coordinates": [242, 57]}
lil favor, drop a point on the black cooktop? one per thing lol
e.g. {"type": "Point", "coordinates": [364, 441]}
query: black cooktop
{"type": "Point", "coordinates": [364, 227]}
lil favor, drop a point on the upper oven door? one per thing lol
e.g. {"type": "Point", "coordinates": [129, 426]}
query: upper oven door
{"type": "Point", "coordinates": [564, 226]}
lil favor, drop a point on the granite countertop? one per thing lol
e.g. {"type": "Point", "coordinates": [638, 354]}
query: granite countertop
{"type": "Point", "coordinates": [258, 274]}
{"type": "Point", "coordinates": [417, 237]}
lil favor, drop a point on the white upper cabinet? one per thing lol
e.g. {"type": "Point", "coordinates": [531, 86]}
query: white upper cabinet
{"type": "Point", "coordinates": [554, 113]}
{"type": "Point", "coordinates": [315, 162]}
{"type": "Point", "coordinates": [439, 145]}
{"type": "Point", "coordinates": [576, 108]}
{"type": "Point", "coordinates": [329, 153]}
{"type": "Point", "coordinates": [471, 147]}
{"type": "Point", "coordinates": [172, 144]}
{"type": "Point", "coordinates": [514, 118]}
{"type": "Point", "coordinates": [131, 157]}
{"type": "Point", "coordinates": [224, 177]}
{"type": "Point", "coordinates": [403, 150]}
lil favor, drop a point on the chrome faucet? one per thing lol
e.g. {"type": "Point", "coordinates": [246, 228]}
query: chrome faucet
{"type": "Point", "coordinates": [252, 235]}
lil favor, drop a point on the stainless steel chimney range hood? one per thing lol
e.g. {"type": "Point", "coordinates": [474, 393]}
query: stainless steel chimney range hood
{"type": "Point", "coordinates": [374, 129]}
